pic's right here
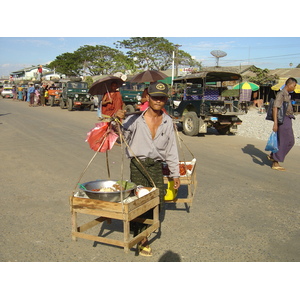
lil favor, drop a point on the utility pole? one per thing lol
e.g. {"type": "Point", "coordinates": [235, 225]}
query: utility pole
{"type": "Point", "coordinates": [176, 59]}
{"type": "Point", "coordinates": [173, 58]}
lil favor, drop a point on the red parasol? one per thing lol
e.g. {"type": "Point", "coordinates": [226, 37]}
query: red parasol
{"type": "Point", "coordinates": [102, 137]}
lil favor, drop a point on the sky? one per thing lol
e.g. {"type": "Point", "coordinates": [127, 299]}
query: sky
{"type": "Point", "coordinates": [249, 34]}
{"type": "Point", "coordinates": [17, 53]}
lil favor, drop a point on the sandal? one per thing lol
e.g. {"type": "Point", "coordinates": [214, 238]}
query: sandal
{"type": "Point", "coordinates": [278, 168]}
{"type": "Point", "coordinates": [145, 250]}
{"type": "Point", "coordinates": [270, 158]}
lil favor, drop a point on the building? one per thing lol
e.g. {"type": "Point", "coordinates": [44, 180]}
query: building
{"type": "Point", "coordinates": [28, 73]}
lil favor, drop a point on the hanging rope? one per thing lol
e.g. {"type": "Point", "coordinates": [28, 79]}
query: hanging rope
{"type": "Point", "coordinates": [107, 164]}
{"type": "Point", "coordinates": [180, 142]}
{"type": "Point", "coordinates": [89, 163]}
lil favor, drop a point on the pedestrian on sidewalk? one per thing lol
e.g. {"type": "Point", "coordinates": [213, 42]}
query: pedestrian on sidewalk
{"type": "Point", "coordinates": [30, 94]}
{"type": "Point", "coordinates": [285, 134]}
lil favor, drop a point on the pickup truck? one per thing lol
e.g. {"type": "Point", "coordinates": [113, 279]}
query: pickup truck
{"type": "Point", "coordinates": [206, 100]}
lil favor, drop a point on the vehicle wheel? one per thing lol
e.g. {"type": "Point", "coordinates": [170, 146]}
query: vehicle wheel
{"type": "Point", "coordinates": [190, 124]}
{"type": "Point", "coordinates": [92, 107]}
{"type": "Point", "coordinates": [129, 108]}
{"type": "Point", "coordinates": [62, 104]}
{"type": "Point", "coordinates": [70, 104]}
{"type": "Point", "coordinates": [52, 101]}
{"type": "Point", "coordinates": [223, 130]}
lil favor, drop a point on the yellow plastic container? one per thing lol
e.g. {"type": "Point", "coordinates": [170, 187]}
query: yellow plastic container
{"type": "Point", "coordinates": [171, 193]}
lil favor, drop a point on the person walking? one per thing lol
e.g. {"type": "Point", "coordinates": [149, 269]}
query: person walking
{"type": "Point", "coordinates": [37, 94]}
{"type": "Point", "coordinates": [144, 101]}
{"type": "Point", "coordinates": [30, 94]}
{"type": "Point", "coordinates": [43, 91]}
{"type": "Point", "coordinates": [46, 95]}
{"type": "Point", "coordinates": [99, 106]}
{"type": "Point", "coordinates": [285, 134]}
{"type": "Point", "coordinates": [14, 91]}
{"type": "Point", "coordinates": [24, 92]}
{"type": "Point", "coordinates": [20, 93]}
{"type": "Point", "coordinates": [152, 141]}
{"type": "Point", "coordinates": [112, 101]}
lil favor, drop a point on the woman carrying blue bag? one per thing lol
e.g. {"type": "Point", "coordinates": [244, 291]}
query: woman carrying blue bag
{"type": "Point", "coordinates": [285, 134]}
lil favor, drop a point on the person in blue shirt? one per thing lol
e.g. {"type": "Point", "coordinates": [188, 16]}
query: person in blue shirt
{"type": "Point", "coordinates": [30, 94]}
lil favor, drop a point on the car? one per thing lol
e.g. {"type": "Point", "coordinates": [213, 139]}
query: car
{"type": "Point", "coordinates": [7, 92]}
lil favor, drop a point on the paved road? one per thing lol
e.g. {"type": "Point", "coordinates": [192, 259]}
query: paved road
{"type": "Point", "coordinates": [243, 210]}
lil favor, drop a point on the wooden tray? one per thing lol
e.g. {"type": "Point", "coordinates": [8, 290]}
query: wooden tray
{"type": "Point", "coordinates": [109, 210]}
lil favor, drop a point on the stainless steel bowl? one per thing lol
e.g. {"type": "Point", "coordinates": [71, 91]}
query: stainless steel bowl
{"type": "Point", "coordinates": [105, 196]}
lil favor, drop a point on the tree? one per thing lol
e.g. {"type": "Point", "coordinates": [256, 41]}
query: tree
{"type": "Point", "coordinates": [99, 60]}
{"type": "Point", "coordinates": [154, 53]}
{"type": "Point", "coordinates": [67, 63]}
{"type": "Point", "coordinates": [262, 77]}
{"type": "Point", "coordinates": [92, 60]}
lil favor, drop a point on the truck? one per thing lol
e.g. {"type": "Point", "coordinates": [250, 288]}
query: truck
{"type": "Point", "coordinates": [54, 92]}
{"type": "Point", "coordinates": [75, 95]}
{"type": "Point", "coordinates": [131, 95]}
{"type": "Point", "coordinates": [207, 100]}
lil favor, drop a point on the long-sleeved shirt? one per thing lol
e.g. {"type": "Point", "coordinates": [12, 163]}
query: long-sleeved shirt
{"type": "Point", "coordinates": [162, 148]}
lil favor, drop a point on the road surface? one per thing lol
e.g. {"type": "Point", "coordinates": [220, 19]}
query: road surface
{"type": "Point", "coordinates": [243, 210]}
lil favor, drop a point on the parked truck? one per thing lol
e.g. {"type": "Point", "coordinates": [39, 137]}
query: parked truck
{"type": "Point", "coordinates": [75, 95]}
{"type": "Point", "coordinates": [54, 92]}
{"type": "Point", "coordinates": [131, 95]}
{"type": "Point", "coordinates": [206, 100]}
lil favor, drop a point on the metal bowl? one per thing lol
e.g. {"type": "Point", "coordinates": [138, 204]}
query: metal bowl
{"type": "Point", "coordinates": [105, 196]}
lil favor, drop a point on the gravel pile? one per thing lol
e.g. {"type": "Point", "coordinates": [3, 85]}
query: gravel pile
{"type": "Point", "coordinates": [255, 125]}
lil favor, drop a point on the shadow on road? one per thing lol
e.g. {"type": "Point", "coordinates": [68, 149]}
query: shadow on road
{"type": "Point", "coordinates": [170, 256]}
{"type": "Point", "coordinates": [259, 157]}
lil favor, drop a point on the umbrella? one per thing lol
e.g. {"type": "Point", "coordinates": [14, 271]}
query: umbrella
{"type": "Point", "coordinates": [102, 137]}
{"type": "Point", "coordinates": [246, 86]}
{"type": "Point", "coordinates": [148, 76]}
{"type": "Point", "coordinates": [277, 87]}
{"type": "Point", "coordinates": [102, 85]}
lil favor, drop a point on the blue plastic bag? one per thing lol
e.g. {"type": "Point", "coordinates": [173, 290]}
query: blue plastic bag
{"type": "Point", "coordinates": [272, 144]}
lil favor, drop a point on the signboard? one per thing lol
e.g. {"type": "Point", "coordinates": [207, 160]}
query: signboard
{"type": "Point", "coordinates": [186, 71]}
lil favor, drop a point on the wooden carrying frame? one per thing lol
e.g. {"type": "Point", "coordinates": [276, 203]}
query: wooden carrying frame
{"type": "Point", "coordinates": [191, 181]}
{"type": "Point", "coordinates": [105, 211]}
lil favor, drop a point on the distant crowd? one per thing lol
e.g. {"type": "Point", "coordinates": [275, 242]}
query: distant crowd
{"type": "Point", "coordinates": [36, 95]}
